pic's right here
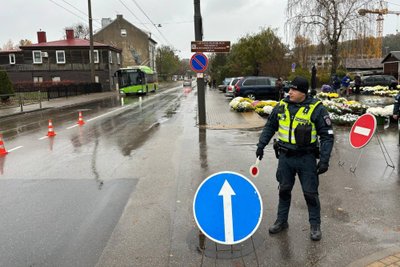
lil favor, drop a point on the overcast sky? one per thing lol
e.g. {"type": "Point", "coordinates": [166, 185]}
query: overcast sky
{"type": "Point", "coordinates": [223, 20]}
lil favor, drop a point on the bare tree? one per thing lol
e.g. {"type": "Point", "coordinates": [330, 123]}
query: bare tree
{"type": "Point", "coordinates": [327, 21]}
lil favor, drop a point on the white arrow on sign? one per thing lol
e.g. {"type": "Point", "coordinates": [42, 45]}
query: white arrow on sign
{"type": "Point", "coordinates": [227, 192]}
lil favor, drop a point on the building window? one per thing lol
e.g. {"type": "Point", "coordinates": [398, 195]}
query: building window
{"type": "Point", "coordinates": [110, 56]}
{"type": "Point", "coordinates": [37, 79]}
{"type": "Point", "coordinates": [12, 58]}
{"type": "Point", "coordinates": [60, 56]}
{"type": "Point", "coordinates": [56, 79]}
{"type": "Point", "coordinates": [96, 79]}
{"type": "Point", "coordinates": [118, 59]}
{"type": "Point", "coordinates": [37, 57]}
{"type": "Point", "coordinates": [123, 33]}
{"type": "Point", "coordinates": [96, 56]}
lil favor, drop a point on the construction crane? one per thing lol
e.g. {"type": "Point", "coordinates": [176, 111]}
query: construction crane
{"type": "Point", "coordinates": [382, 10]}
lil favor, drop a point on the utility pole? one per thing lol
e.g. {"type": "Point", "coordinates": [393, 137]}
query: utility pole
{"type": "Point", "coordinates": [91, 42]}
{"type": "Point", "coordinates": [198, 31]}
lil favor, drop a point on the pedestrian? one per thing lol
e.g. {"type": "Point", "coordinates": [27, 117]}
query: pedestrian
{"type": "Point", "coordinates": [279, 89]}
{"type": "Point", "coordinates": [313, 80]}
{"type": "Point", "coordinates": [299, 119]}
{"type": "Point", "coordinates": [396, 107]}
{"type": "Point", "coordinates": [214, 83]}
{"type": "Point", "coordinates": [345, 84]}
{"type": "Point", "coordinates": [335, 82]}
{"type": "Point", "coordinates": [357, 84]}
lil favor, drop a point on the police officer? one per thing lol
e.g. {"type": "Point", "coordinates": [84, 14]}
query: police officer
{"type": "Point", "coordinates": [299, 119]}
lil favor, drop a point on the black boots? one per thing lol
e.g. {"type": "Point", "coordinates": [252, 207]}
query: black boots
{"type": "Point", "coordinates": [278, 227]}
{"type": "Point", "coordinates": [315, 232]}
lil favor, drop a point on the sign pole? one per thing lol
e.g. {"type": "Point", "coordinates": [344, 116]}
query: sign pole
{"type": "Point", "coordinates": [198, 30]}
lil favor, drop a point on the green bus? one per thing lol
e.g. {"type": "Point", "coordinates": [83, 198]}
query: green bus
{"type": "Point", "coordinates": [136, 80]}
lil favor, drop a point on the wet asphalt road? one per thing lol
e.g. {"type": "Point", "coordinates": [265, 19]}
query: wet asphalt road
{"type": "Point", "coordinates": [119, 191]}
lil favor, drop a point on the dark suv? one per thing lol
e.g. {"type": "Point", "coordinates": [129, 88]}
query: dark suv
{"type": "Point", "coordinates": [257, 87]}
{"type": "Point", "coordinates": [384, 80]}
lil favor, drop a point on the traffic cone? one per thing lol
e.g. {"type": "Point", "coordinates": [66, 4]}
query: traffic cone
{"type": "Point", "coordinates": [80, 120]}
{"type": "Point", "coordinates": [51, 132]}
{"type": "Point", "coordinates": [3, 150]}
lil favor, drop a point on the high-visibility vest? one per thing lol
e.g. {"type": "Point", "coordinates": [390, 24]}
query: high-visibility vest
{"type": "Point", "coordinates": [287, 125]}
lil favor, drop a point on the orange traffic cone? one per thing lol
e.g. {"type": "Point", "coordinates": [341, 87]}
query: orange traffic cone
{"type": "Point", "coordinates": [51, 132]}
{"type": "Point", "coordinates": [80, 120]}
{"type": "Point", "coordinates": [3, 150]}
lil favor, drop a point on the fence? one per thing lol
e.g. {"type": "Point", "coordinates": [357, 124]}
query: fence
{"type": "Point", "coordinates": [28, 95]}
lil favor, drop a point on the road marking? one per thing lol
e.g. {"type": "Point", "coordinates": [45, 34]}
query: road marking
{"type": "Point", "coordinates": [44, 137]}
{"type": "Point", "coordinates": [94, 118]}
{"type": "Point", "coordinates": [227, 192]}
{"type": "Point", "coordinates": [362, 130]}
{"type": "Point", "coordinates": [15, 148]}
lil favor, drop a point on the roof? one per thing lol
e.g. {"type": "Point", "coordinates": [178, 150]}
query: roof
{"type": "Point", "coordinates": [394, 55]}
{"type": "Point", "coordinates": [363, 63]}
{"type": "Point", "coordinates": [69, 43]}
{"type": "Point", "coordinates": [11, 51]}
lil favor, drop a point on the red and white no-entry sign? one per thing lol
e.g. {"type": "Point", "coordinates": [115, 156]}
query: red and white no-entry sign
{"type": "Point", "coordinates": [362, 130]}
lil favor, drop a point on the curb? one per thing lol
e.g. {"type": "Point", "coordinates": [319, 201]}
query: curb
{"type": "Point", "coordinates": [380, 258]}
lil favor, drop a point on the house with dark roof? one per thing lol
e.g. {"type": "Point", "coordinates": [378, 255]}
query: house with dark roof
{"type": "Point", "coordinates": [391, 64]}
{"type": "Point", "coordinates": [62, 60]}
{"type": "Point", "coordinates": [364, 66]}
{"type": "Point", "coordinates": [138, 48]}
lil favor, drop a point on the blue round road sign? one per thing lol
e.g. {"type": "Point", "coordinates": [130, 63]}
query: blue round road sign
{"type": "Point", "coordinates": [227, 208]}
{"type": "Point", "coordinates": [199, 62]}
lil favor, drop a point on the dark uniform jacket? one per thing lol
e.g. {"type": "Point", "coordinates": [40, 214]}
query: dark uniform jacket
{"type": "Point", "coordinates": [319, 117]}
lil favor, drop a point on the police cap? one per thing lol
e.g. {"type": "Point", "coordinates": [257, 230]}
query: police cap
{"type": "Point", "coordinates": [300, 84]}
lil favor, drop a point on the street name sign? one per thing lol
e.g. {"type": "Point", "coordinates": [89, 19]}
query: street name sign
{"type": "Point", "coordinates": [362, 130]}
{"type": "Point", "coordinates": [227, 208]}
{"type": "Point", "coordinates": [199, 62]}
{"type": "Point", "coordinates": [211, 46]}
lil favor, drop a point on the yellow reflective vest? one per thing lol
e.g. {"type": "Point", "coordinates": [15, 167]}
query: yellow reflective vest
{"type": "Point", "coordinates": [287, 125]}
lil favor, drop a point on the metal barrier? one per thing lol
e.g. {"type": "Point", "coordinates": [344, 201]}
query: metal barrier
{"type": "Point", "coordinates": [22, 99]}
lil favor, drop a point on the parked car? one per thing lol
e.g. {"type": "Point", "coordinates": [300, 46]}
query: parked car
{"type": "Point", "coordinates": [384, 80]}
{"type": "Point", "coordinates": [257, 87]}
{"type": "Point", "coordinates": [230, 89]}
{"type": "Point", "coordinates": [224, 84]}
{"type": "Point", "coordinates": [187, 83]}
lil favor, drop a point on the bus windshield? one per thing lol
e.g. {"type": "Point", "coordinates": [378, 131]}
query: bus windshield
{"type": "Point", "coordinates": [129, 77]}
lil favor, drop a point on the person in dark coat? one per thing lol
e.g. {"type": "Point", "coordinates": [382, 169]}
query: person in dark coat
{"type": "Point", "coordinates": [313, 80]}
{"type": "Point", "coordinates": [357, 84]}
{"type": "Point", "coordinates": [299, 120]}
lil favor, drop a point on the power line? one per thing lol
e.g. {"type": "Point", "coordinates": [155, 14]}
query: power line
{"type": "Point", "coordinates": [162, 35]}
{"type": "Point", "coordinates": [73, 13]}
{"type": "Point", "coordinates": [130, 11]}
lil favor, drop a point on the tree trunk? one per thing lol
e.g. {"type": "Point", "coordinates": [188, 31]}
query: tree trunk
{"type": "Point", "coordinates": [335, 59]}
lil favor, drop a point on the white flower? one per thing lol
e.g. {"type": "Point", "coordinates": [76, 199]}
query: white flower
{"type": "Point", "coordinates": [268, 109]}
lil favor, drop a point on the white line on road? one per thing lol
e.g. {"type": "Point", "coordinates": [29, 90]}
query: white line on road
{"type": "Point", "coordinates": [102, 115]}
{"type": "Point", "coordinates": [15, 148]}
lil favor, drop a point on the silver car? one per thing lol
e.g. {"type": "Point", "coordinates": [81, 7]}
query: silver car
{"type": "Point", "coordinates": [230, 88]}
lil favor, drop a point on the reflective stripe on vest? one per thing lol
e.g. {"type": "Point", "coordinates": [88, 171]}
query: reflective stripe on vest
{"type": "Point", "coordinates": [287, 125]}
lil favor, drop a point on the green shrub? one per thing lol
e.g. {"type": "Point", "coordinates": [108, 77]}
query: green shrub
{"type": "Point", "coordinates": [6, 87]}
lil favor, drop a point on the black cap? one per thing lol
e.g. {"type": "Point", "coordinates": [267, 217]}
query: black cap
{"type": "Point", "coordinates": [300, 84]}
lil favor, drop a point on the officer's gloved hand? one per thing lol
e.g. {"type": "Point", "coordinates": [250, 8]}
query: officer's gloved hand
{"type": "Point", "coordinates": [260, 153]}
{"type": "Point", "coordinates": [322, 167]}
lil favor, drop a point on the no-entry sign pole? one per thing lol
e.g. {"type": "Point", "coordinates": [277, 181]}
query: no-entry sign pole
{"type": "Point", "coordinates": [362, 132]}
{"type": "Point", "coordinates": [198, 31]}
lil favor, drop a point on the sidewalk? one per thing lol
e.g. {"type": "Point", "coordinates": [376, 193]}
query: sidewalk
{"type": "Point", "coordinates": [57, 103]}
